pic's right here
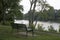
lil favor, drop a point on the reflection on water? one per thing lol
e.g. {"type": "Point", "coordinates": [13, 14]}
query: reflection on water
{"type": "Point", "coordinates": [44, 24]}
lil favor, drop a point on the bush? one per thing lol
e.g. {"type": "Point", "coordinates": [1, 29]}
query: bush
{"type": "Point", "coordinates": [32, 26]}
{"type": "Point", "coordinates": [59, 28]}
{"type": "Point", "coordinates": [6, 22]}
{"type": "Point", "coordinates": [40, 28]}
{"type": "Point", "coordinates": [51, 29]}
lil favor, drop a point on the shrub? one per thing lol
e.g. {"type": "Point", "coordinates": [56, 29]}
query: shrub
{"type": "Point", "coordinates": [59, 28]}
{"type": "Point", "coordinates": [51, 29]}
{"type": "Point", "coordinates": [40, 28]}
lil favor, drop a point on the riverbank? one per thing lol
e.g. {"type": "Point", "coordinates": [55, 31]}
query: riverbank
{"type": "Point", "coordinates": [5, 34]}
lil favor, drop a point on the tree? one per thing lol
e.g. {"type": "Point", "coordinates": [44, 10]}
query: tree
{"type": "Point", "coordinates": [33, 3]}
{"type": "Point", "coordinates": [51, 12]}
{"type": "Point", "coordinates": [42, 4]}
{"type": "Point", "coordinates": [9, 7]}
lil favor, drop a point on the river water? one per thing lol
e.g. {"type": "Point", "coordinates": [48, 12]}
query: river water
{"type": "Point", "coordinates": [43, 24]}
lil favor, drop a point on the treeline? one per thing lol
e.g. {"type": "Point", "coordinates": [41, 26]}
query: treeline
{"type": "Point", "coordinates": [47, 15]}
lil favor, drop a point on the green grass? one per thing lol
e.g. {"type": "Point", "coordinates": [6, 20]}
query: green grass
{"type": "Point", "coordinates": [5, 34]}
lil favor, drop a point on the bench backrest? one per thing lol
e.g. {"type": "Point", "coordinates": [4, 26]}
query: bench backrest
{"type": "Point", "coordinates": [18, 26]}
{"type": "Point", "coordinates": [21, 26]}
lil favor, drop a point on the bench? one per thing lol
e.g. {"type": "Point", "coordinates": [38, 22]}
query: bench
{"type": "Point", "coordinates": [22, 27]}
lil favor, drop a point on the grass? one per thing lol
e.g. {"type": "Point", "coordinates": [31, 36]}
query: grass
{"type": "Point", "coordinates": [5, 34]}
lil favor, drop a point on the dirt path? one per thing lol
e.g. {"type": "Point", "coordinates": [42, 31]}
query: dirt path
{"type": "Point", "coordinates": [30, 34]}
{"type": "Point", "coordinates": [24, 33]}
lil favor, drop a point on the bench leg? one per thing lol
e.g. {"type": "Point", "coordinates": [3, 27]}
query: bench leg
{"type": "Point", "coordinates": [26, 33]}
{"type": "Point", "coordinates": [32, 33]}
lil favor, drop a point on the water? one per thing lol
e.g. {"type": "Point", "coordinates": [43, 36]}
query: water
{"type": "Point", "coordinates": [43, 24]}
{"type": "Point", "coordinates": [46, 24]}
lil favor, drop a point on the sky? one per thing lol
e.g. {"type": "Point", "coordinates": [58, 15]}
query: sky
{"type": "Point", "coordinates": [53, 3]}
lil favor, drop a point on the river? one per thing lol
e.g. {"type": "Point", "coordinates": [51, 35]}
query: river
{"type": "Point", "coordinates": [43, 24]}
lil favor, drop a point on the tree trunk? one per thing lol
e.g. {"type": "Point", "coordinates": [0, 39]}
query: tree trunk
{"type": "Point", "coordinates": [32, 13]}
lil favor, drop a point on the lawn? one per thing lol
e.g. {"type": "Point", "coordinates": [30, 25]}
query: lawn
{"type": "Point", "coordinates": [5, 34]}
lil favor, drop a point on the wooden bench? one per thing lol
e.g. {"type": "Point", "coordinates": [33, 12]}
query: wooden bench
{"type": "Point", "coordinates": [22, 27]}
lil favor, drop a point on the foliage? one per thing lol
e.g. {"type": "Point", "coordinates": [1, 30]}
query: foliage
{"type": "Point", "coordinates": [47, 15]}
{"type": "Point", "coordinates": [32, 26]}
{"type": "Point", "coordinates": [59, 28]}
{"type": "Point", "coordinates": [9, 9]}
{"type": "Point", "coordinates": [40, 28]}
{"type": "Point", "coordinates": [51, 29]}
